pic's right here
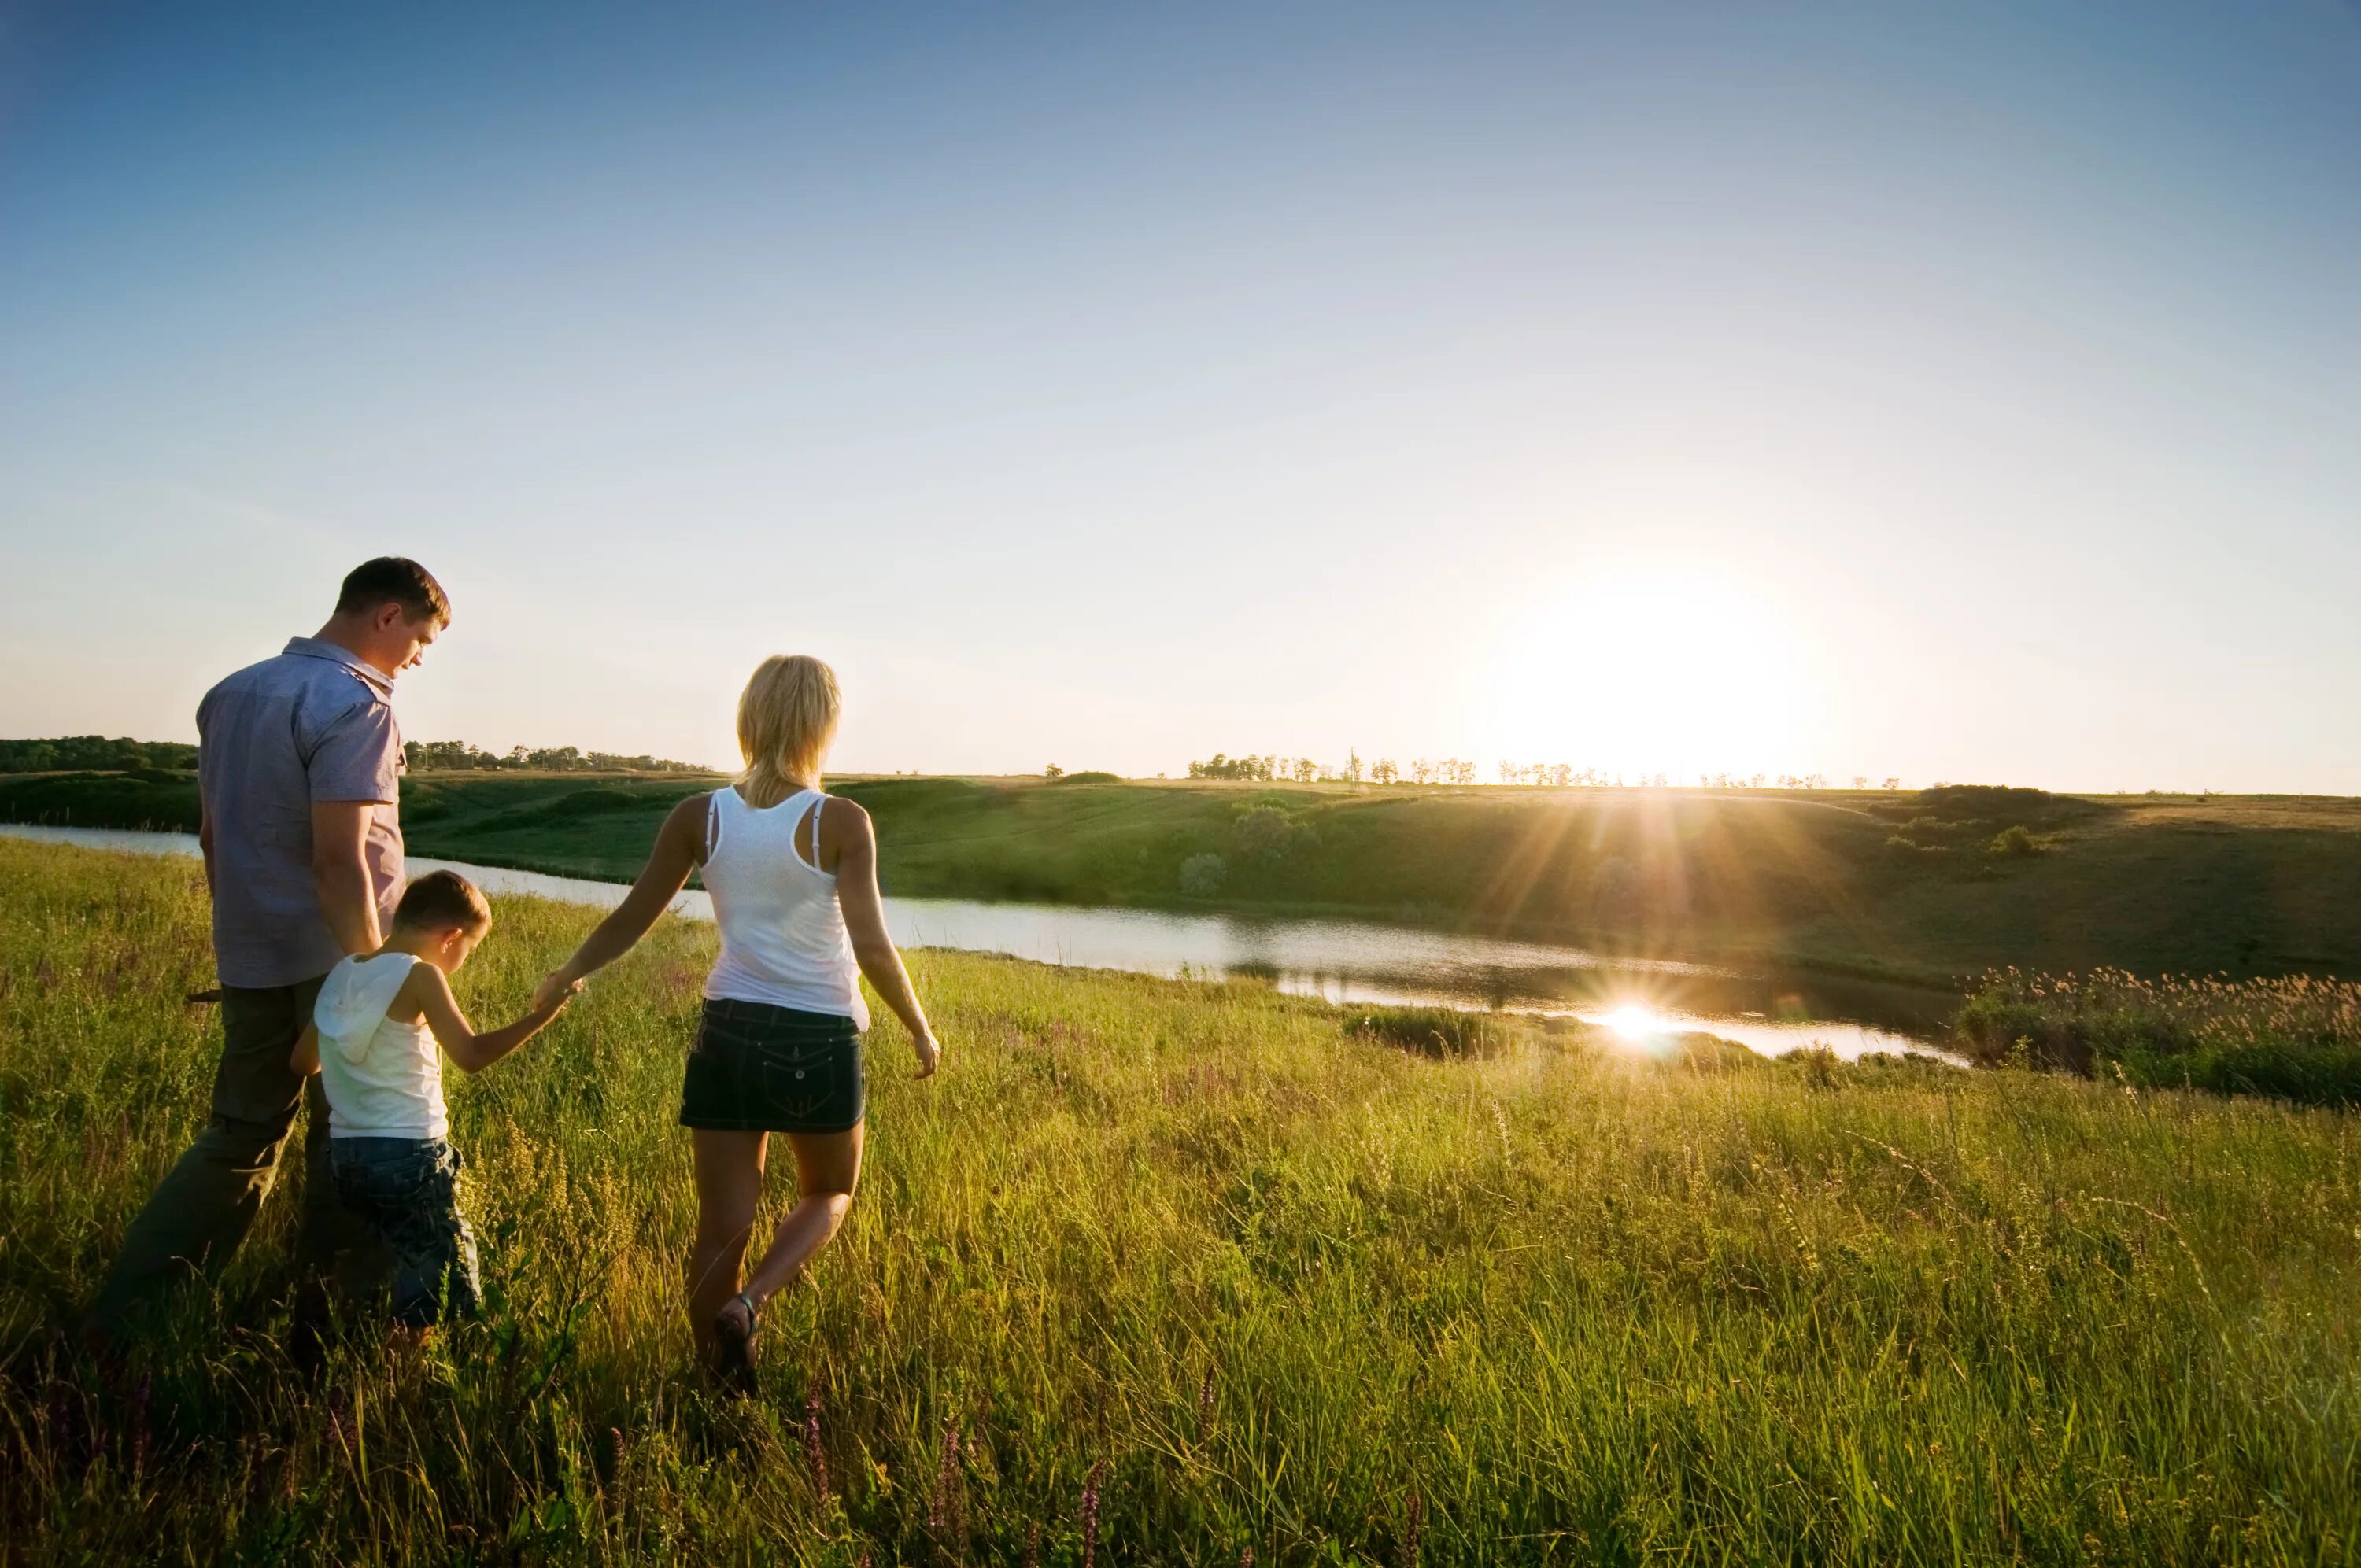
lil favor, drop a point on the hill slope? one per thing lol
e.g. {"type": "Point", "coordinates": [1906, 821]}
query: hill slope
{"type": "Point", "coordinates": [1934, 884]}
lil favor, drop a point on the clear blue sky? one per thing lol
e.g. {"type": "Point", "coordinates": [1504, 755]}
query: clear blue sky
{"type": "Point", "coordinates": [1958, 392]}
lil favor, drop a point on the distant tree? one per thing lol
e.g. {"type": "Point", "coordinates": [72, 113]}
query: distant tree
{"type": "Point", "coordinates": [1508, 772]}
{"type": "Point", "coordinates": [1248, 768]}
{"type": "Point", "coordinates": [1053, 771]}
{"type": "Point", "coordinates": [1267, 833]}
{"type": "Point", "coordinates": [1463, 770]}
{"type": "Point", "coordinates": [1861, 780]}
{"type": "Point", "coordinates": [1306, 770]}
{"type": "Point", "coordinates": [1893, 784]}
{"type": "Point", "coordinates": [1561, 774]}
{"type": "Point", "coordinates": [1421, 770]}
{"type": "Point", "coordinates": [1201, 876]}
{"type": "Point", "coordinates": [1384, 771]}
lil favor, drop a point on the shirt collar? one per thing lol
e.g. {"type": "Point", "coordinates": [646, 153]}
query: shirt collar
{"type": "Point", "coordinates": [319, 648]}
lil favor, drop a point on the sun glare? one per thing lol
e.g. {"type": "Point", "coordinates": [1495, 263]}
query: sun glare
{"type": "Point", "coordinates": [1640, 671]}
{"type": "Point", "coordinates": [1633, 1021]}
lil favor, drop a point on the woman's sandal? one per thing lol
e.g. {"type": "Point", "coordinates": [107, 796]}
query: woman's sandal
{"type": "Point", "coordinates": [734, 1347]}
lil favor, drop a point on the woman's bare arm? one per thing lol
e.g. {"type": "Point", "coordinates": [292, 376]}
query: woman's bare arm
{"type": "Point", "coordinates": [680, 844]}
{"type": "Point", "coordinates": [429, 990]}
{"type": "Point", "coordinates": [306, 1057]}
{"type": "Point", "coordinates": [864, 921]}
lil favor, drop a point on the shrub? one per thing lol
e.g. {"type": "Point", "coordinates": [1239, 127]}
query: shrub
{"type": "Point", "coordinates": [2014, 843]}
{"type": "Point", "coordinates": [1088, 775]}
{"type": "Point", "coordinates": [1434, 1031]}
{"type": "Point", "coordinates": [1201, 876]}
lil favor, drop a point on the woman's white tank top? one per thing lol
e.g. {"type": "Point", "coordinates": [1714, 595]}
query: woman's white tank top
{"type": "Point", "coordinates": [783, 937]}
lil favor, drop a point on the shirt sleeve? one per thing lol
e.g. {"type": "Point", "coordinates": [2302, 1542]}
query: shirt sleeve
{"type": "Point", "coordinates": [359, 758]}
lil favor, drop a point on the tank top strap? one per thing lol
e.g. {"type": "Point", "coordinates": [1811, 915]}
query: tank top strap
{"type": "Point", "coordinates": [819, 803]}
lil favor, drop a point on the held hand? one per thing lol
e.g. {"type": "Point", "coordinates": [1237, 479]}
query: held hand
{"type": "Point", "coordinates": [555, 990]}
{"type": "Point", "coordinates": [929, 1052]}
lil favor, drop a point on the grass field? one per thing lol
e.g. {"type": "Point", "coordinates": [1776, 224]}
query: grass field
{"type": "Point", "coordinates": [1161, 1272]}
{"type": "Point", "coordinates": [1934, 885]}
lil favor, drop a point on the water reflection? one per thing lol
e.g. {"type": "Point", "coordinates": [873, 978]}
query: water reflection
{"type": "Point", "coordinates": [1343, 961]}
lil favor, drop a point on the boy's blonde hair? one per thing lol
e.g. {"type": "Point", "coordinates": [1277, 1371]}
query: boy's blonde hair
{"type": "Point", "coordinates": [786, 716]}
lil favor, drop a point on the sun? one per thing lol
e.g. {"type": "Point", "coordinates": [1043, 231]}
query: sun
{"type": "Point", "coordinates": [1648, 669]}
{"type": "Point", "coordinates": [1634, 1022]}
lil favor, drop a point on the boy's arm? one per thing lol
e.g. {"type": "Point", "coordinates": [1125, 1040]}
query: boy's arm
{"type": "Point", "coordinates": [460, 1042]}
{"type": "Point", "coordinates": [306, 1057]}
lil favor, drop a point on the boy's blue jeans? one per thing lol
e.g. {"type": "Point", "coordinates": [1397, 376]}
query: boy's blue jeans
{"type": "Point", "coordinates": [406, 1191]}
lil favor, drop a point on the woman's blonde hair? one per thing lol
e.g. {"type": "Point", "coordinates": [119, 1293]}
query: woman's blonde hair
{"type": "Point", "coordinates": [786, 716]}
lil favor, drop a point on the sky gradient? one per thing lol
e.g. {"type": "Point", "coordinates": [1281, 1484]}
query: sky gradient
{"type": "Point", "coordinates": [1966, 393]}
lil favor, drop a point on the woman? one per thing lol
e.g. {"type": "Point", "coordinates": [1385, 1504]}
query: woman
{"type": "Point", "coordinates": [793, 877]}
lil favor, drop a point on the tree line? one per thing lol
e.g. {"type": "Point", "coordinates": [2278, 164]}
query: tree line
{"type": "Point", "coordinates": [96, 753]}
{"type": "Point", "coordinates": [458, 757]}
{"type": "Point", "coordinates": [1270, 768]}
{"type": "Point", "coordinates": [93, 753]}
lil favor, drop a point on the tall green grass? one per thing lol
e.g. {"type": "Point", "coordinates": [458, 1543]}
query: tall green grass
{"type": "Point", "coordinates": [1249, 1276]}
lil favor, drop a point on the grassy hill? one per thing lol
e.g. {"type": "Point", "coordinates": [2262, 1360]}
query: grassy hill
{"type": "Point", "coordinates": [1933, 884]}
{"type": "Point", "coordinates": [1174, 1271]}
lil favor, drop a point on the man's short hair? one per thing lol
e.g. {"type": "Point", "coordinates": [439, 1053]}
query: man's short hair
{"type": "Point", "coordinates": [443, 899]}
{"type": "Point", "coordinates": [394, 579]}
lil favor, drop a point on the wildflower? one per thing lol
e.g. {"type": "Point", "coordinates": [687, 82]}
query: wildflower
{"type": "Point", "coordinates": [814, 1453]}
{"type": "Point", "coordinates": [1091, 1512]}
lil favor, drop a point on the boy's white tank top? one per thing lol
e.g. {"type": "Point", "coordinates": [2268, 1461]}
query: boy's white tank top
{"type": "Point", "coordinates": [783, 935]}
{"type": "Point", "coordinates": [383, 1080]}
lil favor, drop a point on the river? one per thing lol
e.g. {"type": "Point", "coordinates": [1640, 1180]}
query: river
{"type": "Point", "coordinates": [1345, 961]}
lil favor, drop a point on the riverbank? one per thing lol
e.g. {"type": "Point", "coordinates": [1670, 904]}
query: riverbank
{"type": "Point", "coordinates": [1238, 1266]}
{"type": "Point", "coordinates": [1929, 888]}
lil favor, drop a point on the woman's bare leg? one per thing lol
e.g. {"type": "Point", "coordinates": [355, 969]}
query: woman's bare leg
{"type": "Point", "coordinates": [729, 1185]}
{"type": "Point", "coordinates": [828, 1167]}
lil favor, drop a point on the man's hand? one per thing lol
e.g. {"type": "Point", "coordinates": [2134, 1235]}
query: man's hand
{"type": "Point", "coordinates": [556, 989]}
{"type": "Point", "coordinates": [929, 1052]}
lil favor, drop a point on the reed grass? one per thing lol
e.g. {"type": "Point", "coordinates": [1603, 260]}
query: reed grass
{"type": "Point", "coordinates": [2295, 1037]}
{"type": "Point", "coordinates": [1163, 1272]}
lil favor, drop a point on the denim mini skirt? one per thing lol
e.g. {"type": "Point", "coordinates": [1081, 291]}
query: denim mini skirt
{"type": "Point", "coordinates": [760, 1068]}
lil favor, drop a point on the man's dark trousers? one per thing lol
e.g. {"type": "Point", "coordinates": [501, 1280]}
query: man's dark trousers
{"type": "Point", "coordinates": [194, 1223]}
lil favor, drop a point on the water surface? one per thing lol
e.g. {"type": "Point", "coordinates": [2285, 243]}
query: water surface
{"type": "Point", "coordinates": [1345, 961]}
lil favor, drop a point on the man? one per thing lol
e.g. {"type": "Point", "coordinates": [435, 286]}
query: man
{"type": "Point", "coordinates": [298, 764]}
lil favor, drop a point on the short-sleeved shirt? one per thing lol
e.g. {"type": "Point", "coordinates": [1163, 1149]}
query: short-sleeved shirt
{"type": "Point", "coordinates": [314, 724]}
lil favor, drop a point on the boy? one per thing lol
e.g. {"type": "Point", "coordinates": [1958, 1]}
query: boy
{"type": "Point", "coordinates": [372, 1041]}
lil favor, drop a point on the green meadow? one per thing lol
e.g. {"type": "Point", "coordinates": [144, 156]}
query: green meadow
{"type": "Point", "coordinates": [1935, 885]}
{"type": "Point", "coordinates": [1159, 1272]}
